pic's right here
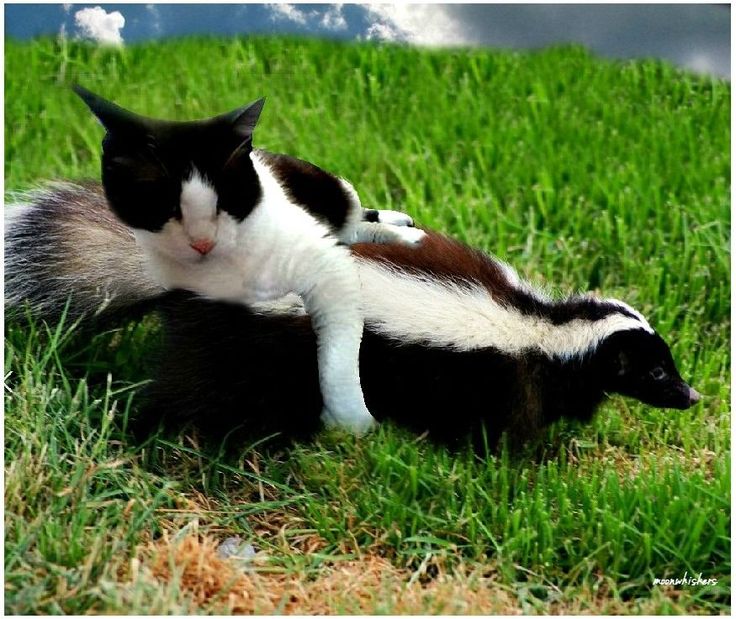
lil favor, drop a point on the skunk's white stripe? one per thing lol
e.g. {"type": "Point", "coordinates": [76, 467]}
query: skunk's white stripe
{"type": "Point", "coordinates": [630, 309]}
{"type": "Point", "coordinates": [419, 308]}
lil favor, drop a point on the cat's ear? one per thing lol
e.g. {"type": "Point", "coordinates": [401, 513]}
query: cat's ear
{"type": "Point", "coordinates": [113, 117]}
{"type": "Point", "coordinates": [243, 120]}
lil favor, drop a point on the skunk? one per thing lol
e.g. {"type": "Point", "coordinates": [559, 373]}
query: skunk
{"type": "Point", "coordinates": [455, 342]}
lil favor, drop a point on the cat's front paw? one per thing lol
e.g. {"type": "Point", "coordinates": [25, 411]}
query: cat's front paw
{"type": "Point", "coordinates": [358, 423]}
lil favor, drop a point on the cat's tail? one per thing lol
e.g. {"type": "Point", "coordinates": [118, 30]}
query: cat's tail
{"type": "Point", "coordinates": [67, 253]}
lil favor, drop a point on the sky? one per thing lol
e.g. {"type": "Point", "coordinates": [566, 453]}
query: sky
{"type": "Point", "coordinates": [694, 36]}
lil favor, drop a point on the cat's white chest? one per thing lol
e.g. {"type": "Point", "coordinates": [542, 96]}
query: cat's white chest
{"type": "Point", "coordinates": [261, 277]}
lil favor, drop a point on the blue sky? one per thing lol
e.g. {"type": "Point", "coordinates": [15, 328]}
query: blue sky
{"type": "Point", "coordinates": [690, 35]}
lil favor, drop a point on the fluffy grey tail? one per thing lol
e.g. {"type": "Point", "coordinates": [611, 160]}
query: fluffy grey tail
{"type": "Point", "coordinates": [64, 245]}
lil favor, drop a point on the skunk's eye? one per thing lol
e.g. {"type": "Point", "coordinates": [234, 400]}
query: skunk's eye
{"type": "Point", "coordinates": [657, 373]}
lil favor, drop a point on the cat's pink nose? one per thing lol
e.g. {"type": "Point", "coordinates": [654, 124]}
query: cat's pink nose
{"type": "Point", "coordinates": [203, 246]}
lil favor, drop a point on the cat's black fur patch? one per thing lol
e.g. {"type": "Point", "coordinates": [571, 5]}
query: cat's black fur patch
{"type": "Point", "coordinates": [143, 178]}
{"type": "Point", "coordinates": [318, 191]}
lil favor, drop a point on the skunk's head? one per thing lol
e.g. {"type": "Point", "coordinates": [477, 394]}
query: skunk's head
{"type": "Point", "coordinates": [183, 186]}
{"type": "Point", "coordinates": [638, 363]}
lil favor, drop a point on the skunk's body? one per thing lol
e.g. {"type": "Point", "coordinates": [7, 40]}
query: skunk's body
{"type": "Point", "coordinates": [454, 340]}
{"type": "Point", "coordinates": [234, 367]}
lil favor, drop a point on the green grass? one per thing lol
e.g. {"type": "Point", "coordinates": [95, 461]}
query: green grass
{"type": "Point", "coordinates": [583, 174]}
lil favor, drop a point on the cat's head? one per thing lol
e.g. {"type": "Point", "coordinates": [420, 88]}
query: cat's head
{"type": "Point", "coordinates": [182, 186]}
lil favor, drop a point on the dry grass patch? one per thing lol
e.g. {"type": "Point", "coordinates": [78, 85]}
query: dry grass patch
{"type": "Point", "coordinates": [629, 466]}
{"type": "Point", "coordinates": [367, 585]}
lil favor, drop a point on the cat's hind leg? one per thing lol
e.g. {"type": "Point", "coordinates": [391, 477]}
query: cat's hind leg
{"type": "Point", "coordinates": [367, 232]}
{"type": "Point", "coordinates": [365, 225]}
{"type": "Point", "coordinates": [391, 218]}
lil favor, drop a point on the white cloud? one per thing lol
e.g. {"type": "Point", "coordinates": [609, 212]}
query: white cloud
{"type": "Point", "coordinates": [287, 12]}
{"type": "Point", "coordinates": [419, 24]}
{"type": "Point", "coordinates": [701, 62]}
{"type": "Point", "coordinates": [333, 19]}
{"type": "Point", "coordinates": [99, 25]}
{"type": "Point", "coordinates": [380, 31]}
{"type": "Point", "coordinates": [330, 19]}
{"type": "Point", "coordinates": [153, 11]}
{"type": "Point", "coordinates": [67, 7]}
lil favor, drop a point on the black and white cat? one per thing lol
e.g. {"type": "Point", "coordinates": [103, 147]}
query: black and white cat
{"type": "Point", "coordinates": [229, 222]}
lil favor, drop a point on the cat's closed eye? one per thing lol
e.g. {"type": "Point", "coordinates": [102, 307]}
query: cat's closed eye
{"type": "Point", "coordinates": [157, 195]}
{"type": "Point", "coordinates": [125, 161]}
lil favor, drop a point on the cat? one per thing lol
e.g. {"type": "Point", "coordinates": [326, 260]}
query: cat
{"type": "Point", "coordinates": [215, 216]}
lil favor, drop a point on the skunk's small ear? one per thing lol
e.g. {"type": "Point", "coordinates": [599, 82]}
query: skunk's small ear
{"type": "Point", "coordinates": [244, 119]}
{"type": "Point", "coordinates": [112, 116]}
